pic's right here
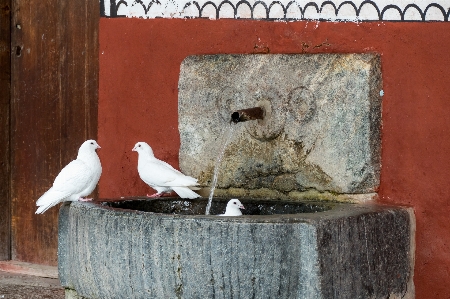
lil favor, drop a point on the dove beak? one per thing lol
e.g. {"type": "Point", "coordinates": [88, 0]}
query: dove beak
{"type": "Point", "coordinates": [134, 149]}
{"type": "Point", "coordinates": [98, 146]}
{"type": "Point", "coordinates": [241, 207]}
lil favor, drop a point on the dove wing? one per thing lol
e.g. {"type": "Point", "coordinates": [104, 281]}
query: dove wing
{"type": "Point", "coordinates": [173, 177]}
{"type": "Point", "coordinates": [182, 180]}
{"type": "Point", "coordinates": [157, 174]}
{"type": "Point", "coordinates": [73, 178]}
{"type": "Point", "coordinates": [165, 164]}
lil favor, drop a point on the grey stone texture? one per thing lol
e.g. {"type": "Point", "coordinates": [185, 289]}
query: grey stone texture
{"type": "Point", "coordinates": [321, 130]}
{"type": "Point", "coordinates": [349, 251]}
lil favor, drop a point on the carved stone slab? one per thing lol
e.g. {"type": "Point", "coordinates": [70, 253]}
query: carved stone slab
{"type": "Point", "coordinates": [321, 130]}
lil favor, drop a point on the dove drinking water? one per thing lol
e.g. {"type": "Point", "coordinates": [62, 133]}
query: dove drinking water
{"type": "Point", "coordinates": [233, 208]}
{"type": "Point", "coordinates": [76, 180]}
{"type": "Point", "coordinates": [161, 176]}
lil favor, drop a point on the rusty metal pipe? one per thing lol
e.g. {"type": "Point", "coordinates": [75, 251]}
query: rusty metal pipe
{"type": "Point", "coordinates": [247, 114]}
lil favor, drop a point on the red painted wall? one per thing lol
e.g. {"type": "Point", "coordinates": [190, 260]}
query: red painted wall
{"type": "Point", "coordinates": [139, 67]}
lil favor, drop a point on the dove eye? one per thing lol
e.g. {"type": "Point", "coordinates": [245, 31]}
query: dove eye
{"type": "Point", "coordinates": [234, 202]}
{"type": "Point", "coordinates": [92, 142]}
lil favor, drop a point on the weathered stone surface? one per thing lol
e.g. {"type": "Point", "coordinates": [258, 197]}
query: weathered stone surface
{"type": "Point", "coordinates": [321, 130]}
{"type": "Point", "coordinates": [350, 251]}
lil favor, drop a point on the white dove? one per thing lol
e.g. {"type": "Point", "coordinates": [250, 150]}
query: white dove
{"type": "Point", "coordinates": [233, 208]}
{"type": "Point", "coordinates": [76, 180]}
{"type": "Point", "coordinates": [161, 176]}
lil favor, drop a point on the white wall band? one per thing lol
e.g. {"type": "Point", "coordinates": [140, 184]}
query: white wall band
{"type": "Point", "coordinates": [281, 10]}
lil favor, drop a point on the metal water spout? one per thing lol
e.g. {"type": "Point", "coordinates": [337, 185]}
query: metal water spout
{"type": "Point", "coordinates": [248, 114]}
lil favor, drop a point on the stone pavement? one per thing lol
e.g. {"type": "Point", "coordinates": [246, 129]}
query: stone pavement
{"type": "Point", "coordinates": [23, 286]}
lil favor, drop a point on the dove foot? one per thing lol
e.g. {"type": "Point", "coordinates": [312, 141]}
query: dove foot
{"type": "Point", "coordinates": [155, 195]}
{"type": "Point", "coordinates": [86, 199]}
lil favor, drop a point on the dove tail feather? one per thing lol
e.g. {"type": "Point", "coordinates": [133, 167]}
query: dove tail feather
{"type": "Point", "coordinates": [185, 192]}
{"type": "Point", "coordinates": [49, 199]}
{"type": "Point", "coordinates": [42, 209]}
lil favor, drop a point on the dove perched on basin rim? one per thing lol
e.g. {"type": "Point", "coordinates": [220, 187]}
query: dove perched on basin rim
{"type": "Point", "coordinates": [233, 208]}
{"type": "Point", "coordinates": [76, 180]}
{"type": "Point", "coordinates": [161, 176]}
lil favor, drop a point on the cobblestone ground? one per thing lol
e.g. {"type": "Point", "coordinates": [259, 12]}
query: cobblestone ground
{"type": "Point", "coordinates": [18, 286]}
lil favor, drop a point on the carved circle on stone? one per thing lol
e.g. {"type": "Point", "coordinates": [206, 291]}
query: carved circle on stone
{"type": "Point", "coordinates": [228, 101]}
{"type": "Point", "coordinates": [272, 125]}
{"type": "Point", "coordinates": [302, 105]}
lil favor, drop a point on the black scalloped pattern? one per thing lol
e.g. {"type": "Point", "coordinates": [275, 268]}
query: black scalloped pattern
{"type": "Point", "coordinates": [116, 4]}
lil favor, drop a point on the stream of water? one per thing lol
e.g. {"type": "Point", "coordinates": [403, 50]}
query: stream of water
{"type": "Point", "coordinates": [225, 140]}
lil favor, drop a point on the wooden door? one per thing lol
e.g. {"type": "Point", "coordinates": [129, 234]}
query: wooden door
{"type": "Point", "coordinates": [54, 91]}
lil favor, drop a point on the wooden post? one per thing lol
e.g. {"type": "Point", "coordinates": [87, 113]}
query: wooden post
{"type": "Point", "coordinates": [5, 95]}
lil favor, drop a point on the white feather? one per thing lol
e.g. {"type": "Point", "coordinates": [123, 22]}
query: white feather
{"type": "Point", "coordinates": [185, 192]}
{"type": "Point", "coordinates": [161, 176]}
{"type": "Point", "coordinates": [76, 180]}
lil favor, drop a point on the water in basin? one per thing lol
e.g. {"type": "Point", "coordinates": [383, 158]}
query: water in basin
{"type": "Point", "coordinates": [198, 206]}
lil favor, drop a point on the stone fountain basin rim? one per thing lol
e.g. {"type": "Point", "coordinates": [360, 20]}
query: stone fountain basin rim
{"type": "Point", "coordinates": [340, 210]}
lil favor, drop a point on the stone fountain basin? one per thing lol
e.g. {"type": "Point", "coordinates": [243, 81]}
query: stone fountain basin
{"type": "Point", "coordinates": [167, 248]}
